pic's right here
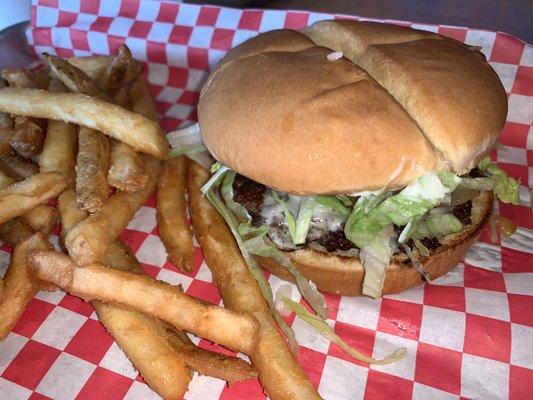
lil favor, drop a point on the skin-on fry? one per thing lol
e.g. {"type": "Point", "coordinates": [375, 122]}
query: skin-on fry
{"type": "Point", "coordinates": [18, 167]}
{"type": "Point", "coordinates": [89, 240]}
{"type": "Point", "coordinates": [145, 340]}
{"type": "Point", "coordinates": [5, 178]}
{"type": "Point", "coordinates": [59, 150]}
{"type": "Point", "coordinates": [127, 171]}
{"type": "Point", "coordinates": [171, 214]}
{"type": "Point", "coordinates": [229, 369]}
{"type": "Point", "coordinates": [96, 282]}
{"type": "Point", "coordinates": [144, 102]}
{"type": "Point", "coordinates": [134, 129]}
{"type": "Point", "coordinates": [19, 289]}
{"type": "Point", "coordinates": [161, 367]}
{"type": "Point", "coordinates": [27, 138]}
{"type": "Point", "coordinates": [93, 66]}
{"type": "Point", "coordinates": [74, 78]}
{"type": "Point", "coordinates": [120, 72]}
{"type": "Point", "coordinates": [6, 130]}
{"type": "Point", "coordinates": [279, 372]}
{"type": "Point", "coordinates": [42, 218]}
{"type": "Point", "coordinates": [21, 78]}
{"type": "Point", "coordinates": [21, 197]}
{"type": "Point", "coordinates": [14, 231]}
{"type": "Point", "coordinates": [92, 165]}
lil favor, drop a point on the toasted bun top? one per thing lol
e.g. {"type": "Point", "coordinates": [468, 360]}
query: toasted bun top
{"type": "Point", "coordinates": [406, 102]}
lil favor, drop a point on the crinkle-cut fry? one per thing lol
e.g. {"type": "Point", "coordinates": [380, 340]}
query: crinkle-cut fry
{"type": "Point", "coordinates": [14, 231]}
{"type": "Point", "coordinates": [127, 171]}
{"type": "Point", "coordinates": [279, 372]}
{"type": "Point", "coordinates": [146, 295]}
{"type": "Point", "coordinates": [18, 167]}
{"type": "Point", "coordinates": [23, 196]}
{"type": "Point", "coordinates": [93, 66]}
{"type": "Point", "coordinates": [42, 218]}
{"type": "Point", "coordinates": [138, 131]}
{"type": "Point", "coordinates": [92, 164]}
{"type": "Point", "coordinates": [229, 369]}
{"type": "Point", "coordinates": [88, 241]}
{"type": "Point", "coordinates": [18, 287]}
{"type": "Point", "coordinates": [171, 214]}
{"type": "Point", "coordinates": [74, 78]}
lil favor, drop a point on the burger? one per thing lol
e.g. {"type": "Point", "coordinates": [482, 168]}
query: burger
{"type": "Point", "coordinates": [353, 155]}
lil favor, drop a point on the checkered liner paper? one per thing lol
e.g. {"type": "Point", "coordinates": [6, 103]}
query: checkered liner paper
{"type": "Point", "coordinates": [468, 335]}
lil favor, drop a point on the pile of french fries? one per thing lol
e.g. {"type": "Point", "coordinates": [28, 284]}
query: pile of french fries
{"type": "Point", "coordinates": [85, 131]}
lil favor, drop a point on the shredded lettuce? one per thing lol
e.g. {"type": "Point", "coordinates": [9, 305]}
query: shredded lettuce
{"type": "Point", "coordinates": [347, 201]}
{"type": "Point", "coordinates": [256, 245]}
{"type": "Point", "coordinates": [431, 225]}
{"type": "Point", "coordinates": [375, 257]}
{"type": "Point", "coordinates": [326, 331]}
{"type": "Point", "coordinates": [505, 187]}
{"type": "Point", "coordinates": [289, 218]}
{"type": "Point", "coordinates": [303, 222]}
{"type": "Point", "coordinates": [416, 264]}
{"type": "Point", "coordinates": [334, 204]}
{"type": "Point", "coordinates": [415, 200]}
{"type": "Point", "coordinates": [188, 141]}
{"type": "Point", "coordinates": [187, 150]}
{"type": "Point", "coordinates": [219, 171]}
{"type": "Point", "coordinates": [478, 183]}
{"type": "Point", "coordinates": [227, 194]}
{"type": "Point", "coordinates": [253, 266]}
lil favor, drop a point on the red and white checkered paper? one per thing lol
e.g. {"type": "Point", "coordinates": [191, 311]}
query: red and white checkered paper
{"type": "Point", "coordinates": [468, 335]}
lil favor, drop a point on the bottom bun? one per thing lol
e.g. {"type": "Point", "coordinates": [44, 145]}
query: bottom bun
{"type": "Point", "coordinates": [344, 275]}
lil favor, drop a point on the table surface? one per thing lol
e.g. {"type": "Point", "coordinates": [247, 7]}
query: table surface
{"type": "Point", "coordinates": [511, 16]}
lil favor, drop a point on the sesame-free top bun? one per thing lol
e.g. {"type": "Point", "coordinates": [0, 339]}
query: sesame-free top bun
{"type": "Point", "coordinates": [279, 111]}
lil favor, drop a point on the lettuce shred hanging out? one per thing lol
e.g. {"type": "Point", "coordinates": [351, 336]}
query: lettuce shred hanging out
{"type": "Point", "coordinates": [376, 226]}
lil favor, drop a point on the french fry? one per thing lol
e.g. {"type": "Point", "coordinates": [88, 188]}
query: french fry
{"type": "Point", "coordinates": [27, 137]}
{"type": "Point", "coordinates": [59, 150]}
{"type": "Point", "coordinates": [14, 231]}
{"type": "Point", "coordinates": [127, 170]}
{"type": "Point", "coordinates": [229, 369]}
{"type": "Point", "coordinates": [160, 300]}
{"type": "Point", "coordinates": [2, 290]}
{"type": "Point", "coordinates": [88, 241]}
{"type": "Point", "coordinates": [279, 372]}
{"type": "Point", "coordinates": [141, 337]}
{"type": "Point", "coordinates": [93, 66]}
{"type": "Point", "coordinates": [92, 164]}
{"type": "Point", "coordinates": [6, 130]}
{"type": "Point", "coordinates": [5, 178]}
{"type": "Point", "coordinates": [171, 214]}
{"type": "Point", "coordinates": [144, 102]}
{"type": "Point", "coordinates": [42, 218]}
{"type": "Point", "coordinates": [18, 167]}
{"type": "Point", "coordinates": [21, 78]}
{"type": "Point", "coordinates": [131, 128]}
{"type": "Point", "coordinates": [18, 288]}
{"type": "Point", "coordinates": [74, 78]}
{"type": "Point", "coordinates": [162, 368]}
{"type": "Point", "coordinates": [121, 71]}
{"type": "Point", "coordinates": [23, 196]}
